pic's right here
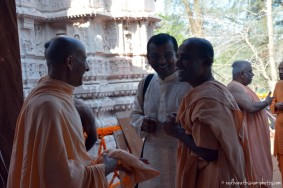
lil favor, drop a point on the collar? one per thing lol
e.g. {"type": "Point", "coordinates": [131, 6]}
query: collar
{"type": "Point", "coordinates": [168, 78]}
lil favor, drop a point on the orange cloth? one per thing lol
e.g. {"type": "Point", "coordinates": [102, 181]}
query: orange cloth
{"type": "Point", "coordinates": [139, 171]}
{"type": "Point", "coordinates": [258, 137]}
{"type": "Point", "coordinates": [280, 164]}
{"type": "Point", "coordinates": [207, 113]}
{"type": "Point", "coordinates": [49, 150]}
{"type": "Point", "coordinates": [278, 140]}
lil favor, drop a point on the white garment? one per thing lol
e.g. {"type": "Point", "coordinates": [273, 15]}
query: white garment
{"type": "Point", "coordinates": [162, 97]}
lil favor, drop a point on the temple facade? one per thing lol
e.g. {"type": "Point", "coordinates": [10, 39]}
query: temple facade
{"type": "Point", "coordinates": [115, 34]}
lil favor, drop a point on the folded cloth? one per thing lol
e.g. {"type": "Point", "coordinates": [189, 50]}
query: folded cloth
{"type": "Point", "coordinates": [138, 171]}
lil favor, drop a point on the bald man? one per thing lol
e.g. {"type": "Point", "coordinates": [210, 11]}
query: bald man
{"type": "Point", "coordinates": [255, 120]}
{"type": "Point", "coordinates": [49, 148]}
{"type": "Point", "coordinates": [208, 124]}
{"type": "Point", "coordinates": [277, 108]}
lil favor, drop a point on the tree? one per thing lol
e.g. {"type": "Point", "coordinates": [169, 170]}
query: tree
{"type": "Point", "coordinates": [238, 31]}
{"type": "Point", "coordinates": [271, 43]}
{"type": "Point", "coordinates": [173, 25]}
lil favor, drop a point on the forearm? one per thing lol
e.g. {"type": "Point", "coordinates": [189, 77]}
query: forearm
{"type": "Point", "coordinates": [257, 106]}
{"type": "Point", "coordinates": [206, 154]}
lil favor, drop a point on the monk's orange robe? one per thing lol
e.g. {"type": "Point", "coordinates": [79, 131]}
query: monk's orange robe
{"type": "Point", "coordinates": [210, 114]}
{"type": "Point", "coordinates": [49, 150]}
{"type": "Point", "coordinates": [258, 137]}
{"type": "Point", "coordinates": [278, 139]}
{"type": "Point", "coordinates": [137, 171]}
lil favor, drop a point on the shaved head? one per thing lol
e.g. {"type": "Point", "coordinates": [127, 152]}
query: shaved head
{"type": "Point", "coordinates": [66, 59]}
{"type": "Point", "coordinates": [57, 49]}
{"type": "Point", "coordinates": [204, 46]}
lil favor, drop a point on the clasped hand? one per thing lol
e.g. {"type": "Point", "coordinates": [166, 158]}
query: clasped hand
{"type": "Point", "coordinates": [149, 124]}
{"type": "Point", "coordinates": [171, 127]}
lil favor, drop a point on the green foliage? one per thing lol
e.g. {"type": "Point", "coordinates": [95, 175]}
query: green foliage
{"type": "Point", "coordinates": [237, 30]}
{"type": "Point", "coordinates": [173, 25]}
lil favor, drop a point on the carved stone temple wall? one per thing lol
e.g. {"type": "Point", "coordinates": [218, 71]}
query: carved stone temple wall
{"type": "Point", "coordinates": [115, 33]}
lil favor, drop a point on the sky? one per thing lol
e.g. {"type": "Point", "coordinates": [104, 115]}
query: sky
{"type": "Point", "coordinates": [159, 6]}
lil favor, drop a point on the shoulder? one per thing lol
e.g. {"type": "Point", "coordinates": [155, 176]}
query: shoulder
{"type": "Point", "coordinates": [45, 102]}
{"type": "Point", "coordinates": [235, 87]}
{"type": "Point", "coordinates": [82, 108]}
{"type": "Point", "coordinates": [279, 83]}
{"type": "Point", "coordinates": [42, 107]}
{"type": "Point", "coordinates": [213, 91]}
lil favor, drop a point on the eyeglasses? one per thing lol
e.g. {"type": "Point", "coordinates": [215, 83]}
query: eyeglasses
{"type": "Point", "coordinates": [167, 56]}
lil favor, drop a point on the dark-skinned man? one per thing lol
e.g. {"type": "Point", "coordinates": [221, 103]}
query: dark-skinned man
{"type": "Point", "coordinates": [255, 120]}
{"type": "Point", "coordinates": [88, 123]}
{"type": "Point", "coordinates": [163, 95]}
{"type": "Point", "coordinates": [208, 128]}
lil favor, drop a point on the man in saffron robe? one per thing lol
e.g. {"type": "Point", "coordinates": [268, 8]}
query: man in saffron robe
{"type": "Point", "coordinates": [277, 108]}
{"type": "Point", "coordinates": [48, 149]}
{"type": "Point", "coordinates": [208, 125]}
{"type": "Point", "coordinates": [255, 120]}
{"type": "Point", "coordinates": [163, 95]}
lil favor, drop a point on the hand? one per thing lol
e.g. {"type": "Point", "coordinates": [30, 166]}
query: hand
{"type": "Point", "coordinates": [279, 105]}
{"type": "Point", "coordinates": [109, 163]}
{"type": "Point", "coordinates": [171, 127]}
{"type": "Point", "coordinates": [269, 99]}
{"type": "Point", "coordinates": [145, 161]}
{"type": "Point", "coordinates": [149, 124]}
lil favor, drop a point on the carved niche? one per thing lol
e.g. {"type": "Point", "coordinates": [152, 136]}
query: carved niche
{"type": "Point", "coordinates": [27, 41]}
{"type": "Point", "coordinates": [55, 5]}
{"type": "Point", "coordinates": [79, 30]}
{"type": "Point", "coordinates": [39, 40]}
{"type": "Point", "coordinates": [110, 42]}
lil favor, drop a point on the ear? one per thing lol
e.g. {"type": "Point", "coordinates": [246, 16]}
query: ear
{"type": "Point", "coordinates": [208, 62]}
{"type": "Point", "coordinates": [69, 62]}
{"type": "Point", "coordinates": [147, 56]}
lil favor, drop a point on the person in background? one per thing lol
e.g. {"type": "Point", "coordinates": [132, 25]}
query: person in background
{"type": "Point", "coordinates": [88, 123]}
{"type": "Point", "coordinates": [255, 120]}
{"type": "Point", "coordinates": [276, 107]}
{"type": "Point", "coordinates": [154, 99]}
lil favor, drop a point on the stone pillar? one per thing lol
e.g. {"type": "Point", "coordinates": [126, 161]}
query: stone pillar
{"type": "Point", "coordinates": [11, 90]}
{"type": "Point", "coordinates": [120, 37]}
{"type": "Point", "coordinates": [143, 36]}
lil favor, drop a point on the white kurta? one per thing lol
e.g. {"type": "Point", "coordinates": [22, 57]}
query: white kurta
{"type": "Point", "coordinates": [161, 98]}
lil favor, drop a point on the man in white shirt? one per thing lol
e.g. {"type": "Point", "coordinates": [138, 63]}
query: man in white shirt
{"type": "Point", "coordinates": [161, 96]}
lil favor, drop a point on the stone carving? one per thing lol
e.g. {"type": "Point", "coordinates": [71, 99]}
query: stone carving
{"type": "Point", "coordinates": [42, 70]}
{"type": "Point", "coordinates": [96, 4]}
{"type": "Point", "coordinates": [128, 41]}
{"type": "Point", "coordinates": [79, 30]}
{"type": "Point", "coordinates": [110, 37]}
{"type": "Point", "coordinates": [27, 3]}
{"type": "Point", "coordinates": [55, 5]}
{"type": "Point", "coordinates": [39, 39]}
{"type": "Point", "coordinates": [27, 43]}
{"type": "Point", "coordinates": [111, 83]}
